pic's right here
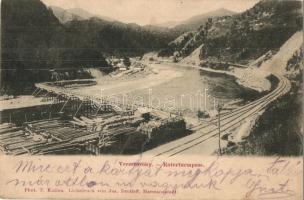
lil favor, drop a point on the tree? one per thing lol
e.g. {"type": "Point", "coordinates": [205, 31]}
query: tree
{"type": "Point", "coordinates": [126, 61]}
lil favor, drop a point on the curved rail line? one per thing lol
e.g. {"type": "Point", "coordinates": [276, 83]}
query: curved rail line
{"type": "Point", "coordinates": [229, 122]}
{"type": "Point", "coordinates": [227, 128]}
{"type": "Point", "coordinates": [245, 107]}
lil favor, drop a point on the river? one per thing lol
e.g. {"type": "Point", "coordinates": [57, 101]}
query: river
{"type": "Point", "coordinates": [173, 88]}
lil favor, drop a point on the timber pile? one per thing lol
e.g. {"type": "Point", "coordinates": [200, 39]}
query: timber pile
{"type": "Point", "coordinates": [103, 123]}
{"type": "Point", "coordinates": [14, 140]}
{"type": "Point", "coordinates": [39, 137]}
{"type": "Point", "coordinates": [164, 129]}
{"type": "Point", "coordinates": [57, 129]}
{"type": "Point", "coordinates": [53, 136]}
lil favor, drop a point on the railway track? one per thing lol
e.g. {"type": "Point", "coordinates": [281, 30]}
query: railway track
{"type": "Point", "coordinates": [247, 106]}
{"type": "Point", "coordinates": [229, 121]}
{"type": "Point", "coordinates": [204, 132]}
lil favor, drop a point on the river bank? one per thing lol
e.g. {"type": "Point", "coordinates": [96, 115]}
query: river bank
{"type": "Point", "coordinates": [279, 130]}
{"type": "Point", "coordinates": [21, 102]}
{"type": "Point", "coordinates": [250, 77]}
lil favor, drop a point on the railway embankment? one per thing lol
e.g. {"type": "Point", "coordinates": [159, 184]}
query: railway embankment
{"type": "Point", "coordinates": [205, 138]}
{"type": "Point", "coordinates": [274, 133]}
{"type": "Point", "coordinates": [279, 130]}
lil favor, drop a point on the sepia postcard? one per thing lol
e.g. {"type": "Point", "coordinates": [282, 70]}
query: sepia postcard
{"type": "Point", "coordinates": [151, 99]}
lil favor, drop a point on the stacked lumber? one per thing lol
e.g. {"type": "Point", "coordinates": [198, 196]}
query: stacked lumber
{"type": "Point", "coordinates": [163, 129]}
{"type": "Point", "coordinates": [55, 136]}
{"type": "Point", "coordinates": [14, 139]}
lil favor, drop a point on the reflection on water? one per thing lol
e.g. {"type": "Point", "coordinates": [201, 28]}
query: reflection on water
{"type": "Point", "coordinates": [225, 87]}
{"type": "Point", "coordinates": [195, 90]}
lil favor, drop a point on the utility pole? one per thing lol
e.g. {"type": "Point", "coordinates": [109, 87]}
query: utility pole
{"type": "Point", "coordinates": [219, 128]}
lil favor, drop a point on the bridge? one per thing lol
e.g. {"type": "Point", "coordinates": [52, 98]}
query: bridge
{"type": "Point", "coordinates": [205, 138]}
{"type": "Point", "coordinates": [59, 94]}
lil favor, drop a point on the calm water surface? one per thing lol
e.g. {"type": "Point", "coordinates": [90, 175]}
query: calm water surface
{"type": "Point", "coordinates": [194, 90]}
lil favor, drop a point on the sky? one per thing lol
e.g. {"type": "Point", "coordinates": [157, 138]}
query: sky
{"type": "Point", "coordinates": [145, 12]}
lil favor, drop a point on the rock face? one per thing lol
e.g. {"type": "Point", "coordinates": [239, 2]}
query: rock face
{"type": "Point", "coordinates": [194, 57]}
{"type": "Point", "coordinates": [262, 59]}
{"type": "Point", "coordinates": [244, 36]}
{"type": "Point", "coordinates": [279, 61]}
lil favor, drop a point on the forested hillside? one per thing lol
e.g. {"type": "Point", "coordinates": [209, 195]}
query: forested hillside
{"type": "Point", "coordinates": [116, 38]}
{"type": "Point", "coordinates": [33, 40]}
{"type": "Point", "coordinates": [195, 22]}
{"type": "Point", "coordinates": [243, 36]}
{"type": "Point", "coordinates": [74, 14]}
